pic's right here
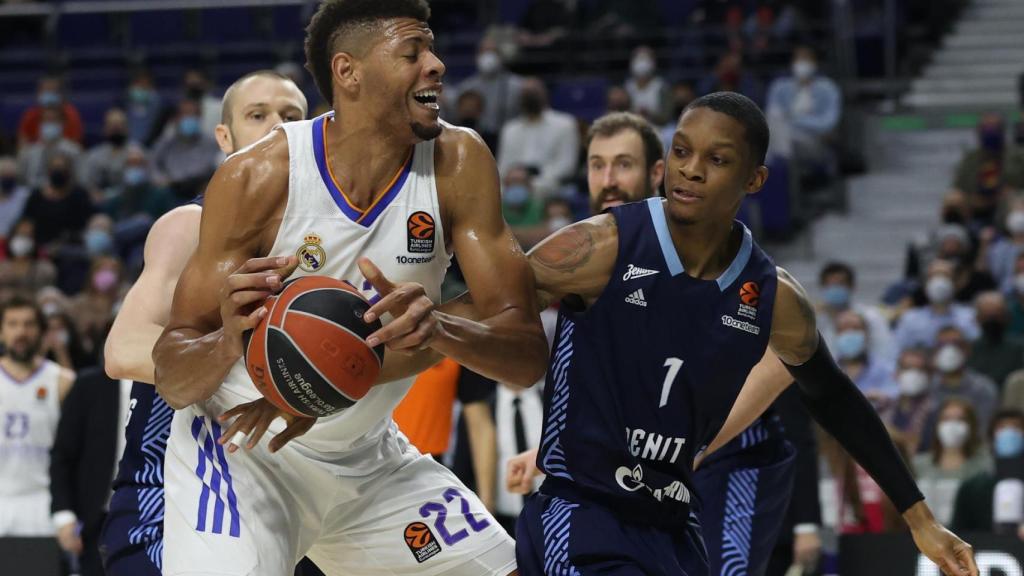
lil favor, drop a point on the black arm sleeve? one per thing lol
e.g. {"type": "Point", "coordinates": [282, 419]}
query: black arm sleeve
{"type": "Point", "coordinates": [839, 407]}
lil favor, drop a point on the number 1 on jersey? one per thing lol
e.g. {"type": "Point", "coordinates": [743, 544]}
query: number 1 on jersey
{"type": "Point", "coordinates": [673, 365]}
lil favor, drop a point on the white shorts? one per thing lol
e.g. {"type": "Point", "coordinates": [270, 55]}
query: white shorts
{"type": "Point", "coordinates": [381, 509]}
{"type": "Point", "coordinates": [26, 515]}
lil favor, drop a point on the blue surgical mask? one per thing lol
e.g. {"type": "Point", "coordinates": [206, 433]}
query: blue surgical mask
{"type": "Point", "coordinates": [851, 344]}
{"type": "Point", "coordinates": [50, 131]}
{"type": "Point", "coordinates": [836, 296]}
{"type": "Point", "coordinates": [140, 96]}
{"type": "Point", "coordinates": [98, 242]}
{"type": "Point", "coordinates": [1008, 443]}
{"type": "Point", "coordinates": [516, 195]}
{"type": "Point", "coordinates": [134, 175]}
{"type": "Point", "coordinates": [49, 99]}
{"type": "Point", "coordinates": [188, 126]}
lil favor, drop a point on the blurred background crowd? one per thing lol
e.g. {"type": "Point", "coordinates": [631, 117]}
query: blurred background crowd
{"type": "Point", "coordinates": [896, 192]}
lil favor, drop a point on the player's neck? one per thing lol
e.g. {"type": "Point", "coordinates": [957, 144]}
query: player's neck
{"type": "Point", "coordinates": [706, 249]}
{"type": "Point", "coordinates": [362, 158]}
{"type": "Point", "coordinates": [19, 370]}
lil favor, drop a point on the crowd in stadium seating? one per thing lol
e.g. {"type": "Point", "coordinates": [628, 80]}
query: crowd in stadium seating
{"type": "Point", "coordinates": [942, 357]}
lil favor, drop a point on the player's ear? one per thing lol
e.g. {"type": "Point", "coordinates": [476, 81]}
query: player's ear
{"type": "Point", "coordinates": [757, 179]}
{"type": "Point", "coordinates": [224, 139]}
{"type": "Point", "coordinates": [345, 72]}
{"type": "Point", "coordinates": [657, 174]}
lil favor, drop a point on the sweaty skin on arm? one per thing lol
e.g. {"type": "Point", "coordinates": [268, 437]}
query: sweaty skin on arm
{"type": "Point", "coordinates": [240, 220]}
{"type": "Point", "coordinates": [128, 353]}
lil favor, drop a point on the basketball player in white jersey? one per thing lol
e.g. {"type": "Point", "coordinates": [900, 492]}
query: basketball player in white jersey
{"type": "Point", "coordinates": [133, 533]}
{"type": "Point", "coordinates": [31, 391]}
{"type": "Point", "coordinates": [379, 195]}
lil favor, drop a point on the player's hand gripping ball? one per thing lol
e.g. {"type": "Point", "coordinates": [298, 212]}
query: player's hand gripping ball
{"type": "Point", "coordinates": [308, 355]}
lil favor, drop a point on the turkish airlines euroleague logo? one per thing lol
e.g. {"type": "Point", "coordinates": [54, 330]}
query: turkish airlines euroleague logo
{"type": "Point", "coordinates": [421, 541]}
{"type": "Point", "coordinates": [420, 233]}
{"type": "Point", "coordinates": [750, 294]}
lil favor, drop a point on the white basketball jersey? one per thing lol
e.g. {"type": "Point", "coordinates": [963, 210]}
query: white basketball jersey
{"type": "Point", "coordinates": [401, 232]}
{"type": "Point", "coordinates": [29, 412]}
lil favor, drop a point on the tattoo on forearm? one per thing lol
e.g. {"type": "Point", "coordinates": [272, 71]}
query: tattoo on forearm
{"type": "Point", "coordinates": [569, 251]}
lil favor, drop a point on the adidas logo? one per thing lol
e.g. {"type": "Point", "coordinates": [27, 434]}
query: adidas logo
{"type": "Point", "coordinates": [637, 298]}
{"type": "Point", "coordinates": [637, 272]}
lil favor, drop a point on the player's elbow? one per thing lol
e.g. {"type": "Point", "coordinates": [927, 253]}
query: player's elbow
{"type": "Point", "coordinates": [534, 363]}
{"type": "Point", "coordinates": [113, 363]}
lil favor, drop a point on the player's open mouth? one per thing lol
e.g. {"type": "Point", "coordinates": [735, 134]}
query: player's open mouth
{"type": "Point", "coordinates": [427, 99]}
{"type": "Point", "coordinates": [685, 196]}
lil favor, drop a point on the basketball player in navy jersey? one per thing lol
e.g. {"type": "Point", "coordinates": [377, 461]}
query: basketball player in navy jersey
{"type": "Point", "coordinates": [350, 493]}
{"type": "Point", "coordinates": [133, 534]}
{"type": "Point", "coordinates": [625, 164]}
{"type": "Point", "coordinates": [667, 307]}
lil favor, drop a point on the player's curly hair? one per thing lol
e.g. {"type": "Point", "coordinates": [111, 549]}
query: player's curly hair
{"type": "Point", "coordinates": [336, 19]}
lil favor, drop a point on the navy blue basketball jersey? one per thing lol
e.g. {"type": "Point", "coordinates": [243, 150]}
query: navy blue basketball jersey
{"type": "Point", "coordinates": [644, 379]}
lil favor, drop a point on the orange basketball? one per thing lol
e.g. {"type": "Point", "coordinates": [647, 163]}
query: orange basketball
{"type": "Point", "coordinates": [308, 356]}
{"type": "Point", "coordinates": [417, 535]}
{"type": "Point", "coordinates": [750, 294]}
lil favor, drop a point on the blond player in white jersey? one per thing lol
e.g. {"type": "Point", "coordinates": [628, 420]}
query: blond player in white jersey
{"type": "Point", "coordinates": [31, 391]}
{"type": "Point", "coordinates": [380, 194]}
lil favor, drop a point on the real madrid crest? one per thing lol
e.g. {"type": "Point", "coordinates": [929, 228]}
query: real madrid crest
{"type": "Point", "coordinates": [311, 255]}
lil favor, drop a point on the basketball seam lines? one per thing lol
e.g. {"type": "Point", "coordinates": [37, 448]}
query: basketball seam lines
{"type": "Point", "coordinates": [379, 363]}
{"type": "Point", "coordinates": [309, 362]}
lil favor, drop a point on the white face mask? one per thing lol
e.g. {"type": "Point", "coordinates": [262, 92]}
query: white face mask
{"type": "Point", "coordinates": [641, 66]}
{"type": "Point", "coordinates": [488, 63]}
{"type": "Point", "coordinates": [804, 69]}
{"type": "Point", "coordinates": [953, 433]}
{"type": "Point", "coordinates": [949, 359]}
{"type": "Point", "coordinates": [21, 246]}
{"type": "Point", "coordinates": [1015, 222]}
{"type": "Point", "coordinates": [939, 290]}
{"type": "Point", "coordinates": [1018, 283]}
{"type": "Point", "coordinates": [557, 223]}
{"type": "Point", "coordinates": [913, 382]}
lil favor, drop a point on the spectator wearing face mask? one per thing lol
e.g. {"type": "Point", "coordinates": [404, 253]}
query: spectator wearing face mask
{"type": "Point", "coordinates": [522, 208]}
{"type": "Point", "coordinates": [94, 306]}
{"type": "Point", "coordinates": [469, 112]}
{"type": "Point", "coordinates": [102, 167]}
{"type": "Point", "coordinates": [838, 282]}
{"type": "Point", "coordinates": [33, 159]}
{"type": "Point", "coordinates": [954, 379]}
{"type": "Point", "coordinates": [918, 327]}
{"type": "Point", "coordinates": [1001, 255]}
{"type": "Point", "coordinates": [50, 96]}
{"type": "Point", "coordinates": [996, 354]}
{"type": "Point", "coordinates": [185, 159]}
{"type": "Point", "coordinates": [543, 141]}
{"type": "Point", "coordinates": [953, 244]}
{"type": "Point", "coordinates": [809, 104]}
{"type": "Point", "coordinates": [143, 108]}
{"type": "Point", "coordinates": [557, 215]}
{"type": "Point", "coordinates": [872, 376]}
{"type": "Point", "coordinates": [973, 507]}
{"type": "Point", "coordinates": [986, 173]}
{"type": "Point", "coordinates": [957, 454]}
{"type": "Point", "coordinates": [498, 87]}
{"type": "Point", "coordinates": [63, 345]}
{"type": "Point", "coordinates": [24, 271]}
{"type": "Point", "coordinates": [13, 195]}
{"type": "Point", "coordinates": [60, 208]}
{"type": "Point", "coordinates": [648, 92]}
{"type": "Point", "coordinates": [910, 411]}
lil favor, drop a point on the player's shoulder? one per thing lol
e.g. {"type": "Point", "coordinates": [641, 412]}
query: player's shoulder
{"type": "Point", "coordinates": [253, 178]}
{"type": "Point", "coordinates": [458, 147]}
{"type": "Point", "coordinates": [179, 222]}
{"type": "Point", "coordinates": [789, 292]}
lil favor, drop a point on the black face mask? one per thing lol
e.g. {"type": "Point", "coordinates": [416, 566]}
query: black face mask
{"type": "Point", "coordinates": [117, 138]}
{"type": "Point", "coordinates": [532, 104]}
{"type": "Point", "coordinates": [993, 329]}
{"type": "Point", "coordinates": [953, 217]}
{"type": "Point", "coordinates": [194, 92]}
{"type": "Point", "coordinates": [468, 123]}
{"type": "Point", "coordinates": [59, 178]}
{"type": "Point", "coordinates": [7, 184]}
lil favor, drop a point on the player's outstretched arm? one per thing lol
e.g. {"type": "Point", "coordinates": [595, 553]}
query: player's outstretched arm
{"type": "Point", "coordinates": [128, 352]}
{"type": "Point", "coordinates": [221, 289]}
{"type": "Point", "coordinates": [838, 406]}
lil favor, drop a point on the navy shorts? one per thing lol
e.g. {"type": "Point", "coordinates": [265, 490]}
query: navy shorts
{"type": "Point", "coordinates": [743, 500]}
{"type": "Point", "coordinates": [559, 537]}
{"type": "Point", "coordinates": [131, 543]}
